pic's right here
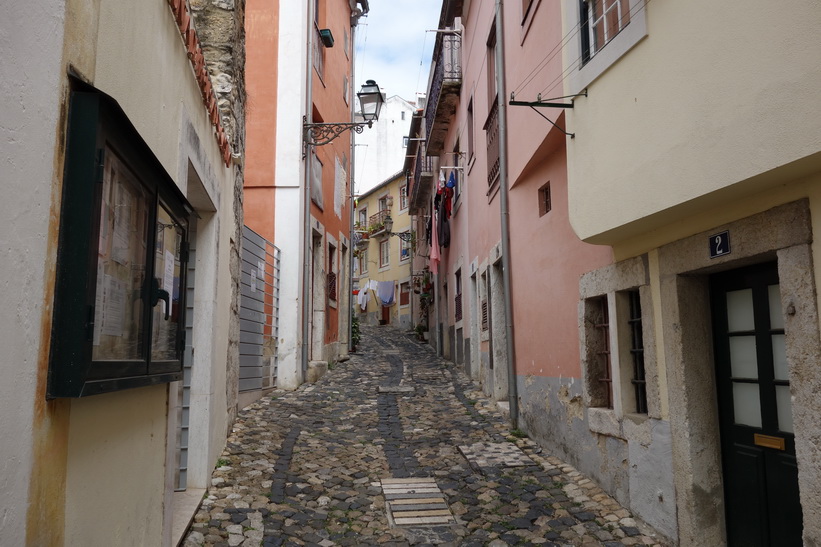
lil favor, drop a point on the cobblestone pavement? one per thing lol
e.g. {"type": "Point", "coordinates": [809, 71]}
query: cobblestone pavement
{"type": "Point", "coordinates": [397, 447]}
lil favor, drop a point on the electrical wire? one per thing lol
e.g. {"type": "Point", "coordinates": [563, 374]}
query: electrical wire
{"type": "Point", "coordinates": [559, 48]}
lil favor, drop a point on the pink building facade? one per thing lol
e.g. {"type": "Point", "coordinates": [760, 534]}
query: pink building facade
{"type": "Point", "coordinates": [491, 164]}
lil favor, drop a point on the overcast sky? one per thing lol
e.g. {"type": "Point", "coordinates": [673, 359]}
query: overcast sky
{"type": "Point", "coordinates": [393, 47]}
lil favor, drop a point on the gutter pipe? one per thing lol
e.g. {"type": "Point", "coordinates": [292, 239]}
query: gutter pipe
{"type": "Point", "coordinates": [513, 391]}
{"type": "Point", "coordinates": [306, 259]}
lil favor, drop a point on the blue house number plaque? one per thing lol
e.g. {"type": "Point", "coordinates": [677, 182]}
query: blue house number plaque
{"type": "Point", "coordinates": [720, 244]}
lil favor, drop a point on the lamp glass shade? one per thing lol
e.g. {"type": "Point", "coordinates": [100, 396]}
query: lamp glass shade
{"type": "Point", "coordinates": [370, 101]}
{"type": "Point", "coordinates": [388, 222]}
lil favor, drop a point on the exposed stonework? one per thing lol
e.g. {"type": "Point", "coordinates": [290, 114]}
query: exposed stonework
{"type": "Point", "coordinates": [220, 27]}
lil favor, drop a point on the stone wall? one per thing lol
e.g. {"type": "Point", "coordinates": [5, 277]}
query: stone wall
{"type": "Point", "coordinates": [221, 30]}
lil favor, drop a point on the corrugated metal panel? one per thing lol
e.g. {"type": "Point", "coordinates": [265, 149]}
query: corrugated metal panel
{"type": "Point", "coordinates": [259, 312]}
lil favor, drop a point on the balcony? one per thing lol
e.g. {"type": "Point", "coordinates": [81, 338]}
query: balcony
{"type": "Point", "coordinates": [443, 95]}
{"type": "Point", "coordinates": [421, 181]}
{"type": "Point", "coordinates": [376, 223]}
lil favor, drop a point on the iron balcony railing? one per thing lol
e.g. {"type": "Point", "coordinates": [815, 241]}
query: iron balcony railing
{"type": "Point", "coordinates": [492, 132]}
{"type": "Point", "coordinates": [446, 74]}
{"type": "Point", "coordinates": [376, 223]}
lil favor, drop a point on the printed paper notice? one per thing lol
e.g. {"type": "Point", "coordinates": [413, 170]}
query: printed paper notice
{"type": "Point", "coordinates": [114, 307]}
{"type": "Point", "coordinates": [99, 302]}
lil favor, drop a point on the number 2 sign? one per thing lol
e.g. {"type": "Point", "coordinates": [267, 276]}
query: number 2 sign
{"type": "Point", "coordinates": [720, 244]}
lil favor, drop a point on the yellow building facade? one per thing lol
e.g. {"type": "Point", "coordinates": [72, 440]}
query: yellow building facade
{"type": "Point", "coordinates": [383, 255]}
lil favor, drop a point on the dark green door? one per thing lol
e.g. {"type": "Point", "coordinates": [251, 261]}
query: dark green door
{"type": "Point", "coordinates": [755, 410]}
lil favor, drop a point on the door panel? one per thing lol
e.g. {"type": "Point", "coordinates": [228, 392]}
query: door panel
{"type": "Point", "coordinates": [758, 446]}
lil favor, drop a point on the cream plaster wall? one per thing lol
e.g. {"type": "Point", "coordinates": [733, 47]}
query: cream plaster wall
{"type": "Point", "coordinates": [116, 453]}
{"type": "Point", "coordinates": [101, 459]}
{"type": "Point", "coordinates": [31, 36]}
{"type": "Point", "coordinates": [713, 100]}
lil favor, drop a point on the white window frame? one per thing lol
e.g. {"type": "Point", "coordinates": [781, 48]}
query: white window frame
{"type": "Point", "coordinates": [623, 42]}
{"type": "Point", "coordinates": [363, 262]}
{"type": "Point", "coordinates": [403, 197]}
{"type": "Point", "coordinates": [385, 256]}
{"type": "Point", "coordinates": [403, 246]}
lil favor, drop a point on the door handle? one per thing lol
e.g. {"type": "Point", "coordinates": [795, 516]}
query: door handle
{"type": "Point", "coordinates": [158, 294]}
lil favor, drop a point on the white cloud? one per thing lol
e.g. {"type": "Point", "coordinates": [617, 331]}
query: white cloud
{"type": "Point", "coordinates": [393, 47]}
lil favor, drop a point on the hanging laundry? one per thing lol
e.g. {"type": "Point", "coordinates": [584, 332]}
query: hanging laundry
{"type": "Point", "coordinates": [373, 285]}
{"type": "Point", "coordinates": [362, 298]}
{"type": "Point", "coordinates": [434, 247]}
{"type": "Point", "coordinates": [385, 292]}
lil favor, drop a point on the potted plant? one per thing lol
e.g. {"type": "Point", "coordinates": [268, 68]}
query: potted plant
{"type": "Point", "coordinates": [375, 228]}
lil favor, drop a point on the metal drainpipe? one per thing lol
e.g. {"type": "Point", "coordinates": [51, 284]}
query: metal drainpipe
{"type": "Point", "coordinates": [353, 199]}
{"type": "Point", "coordinates": [513, 392]}
{"type": "Point", "coordinates": [306, 261]}
{"type": "Point", "coordinates": [437, 298]}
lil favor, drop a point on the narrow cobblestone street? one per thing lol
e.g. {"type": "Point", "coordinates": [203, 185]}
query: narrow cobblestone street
{"type": "Point", "coordinates": [397, 447]}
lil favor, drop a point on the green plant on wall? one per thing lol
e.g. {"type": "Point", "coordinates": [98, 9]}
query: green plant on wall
{"type": "Point", "coordinates": [356, 335]}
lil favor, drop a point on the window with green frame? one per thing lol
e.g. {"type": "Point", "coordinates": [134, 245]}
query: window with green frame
{"type": "Point", "coordinates": [119, 310]}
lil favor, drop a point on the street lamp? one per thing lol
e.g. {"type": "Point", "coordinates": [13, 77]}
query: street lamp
{"type": "Point", "coordinates": [370, 103]}
{"type": "Point", "coordinates": [388, 222]}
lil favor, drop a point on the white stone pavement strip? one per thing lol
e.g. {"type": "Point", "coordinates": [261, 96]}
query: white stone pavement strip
{"type": "Point", "coordinates": [486, 455]}
{"type": "Point", "coordinates": [415, 501]}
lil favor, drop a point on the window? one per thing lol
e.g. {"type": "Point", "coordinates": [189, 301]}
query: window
{"type": "Point", "coordinates": [404, 249]}
{"type": "Point", "coordinates": [316, 179]}
{"type": "Point", "coordinates": [346, 42]}
{"type": "Point", "coordinates": [405, 141]}
{"type": "Point", "coordinates": [454, 174]}
{"type": "Point", "coordinates": [383, 203]}
{"type": "Point", "coordinates": [403, 115]}
{"type": "Point", "coordinates": [600, 372]}
{"type": "Point", "coordinates": [618, 353]}
{"type": "Point", "coordinates": [638, 380]}
{"type": "Point", "coordinates": [331, 273]}
{"type": "Point", "coordinates": [403, 197]}
{"type": "Point", "coordinates": [119, 310]}
{"type": "Point", "coordinates": [601, 21]}
{"type": "Point", "coordinates": [470, 129]}
{"type": "Point", "coordinates": [404, 294]}
{"type": "Point", "coordinates": [363, 262]}
{"type": "Point", "coordinates": [345, 88]}
{"type": "Point", "coordinates": [608, 29]}
{"type": "Point", "coordinates": [363, 217]}
{"type": "Point", "coordinates": [384, 253]}
{"type": "Point", "coordinates": [544, 200]}
{"type": "Point", "coordinates": [491, 68]}
{"type": "Point", "coordinates": [457, 301]}
{"type": "Point", "coordinates": [484, 315]}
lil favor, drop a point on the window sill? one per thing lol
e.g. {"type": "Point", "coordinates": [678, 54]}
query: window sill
{"type": "Point", "coordinates": [605, 422]}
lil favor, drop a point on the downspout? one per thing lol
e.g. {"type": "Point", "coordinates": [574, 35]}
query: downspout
{"type": "Point", "coordinates": [306, 261]}
{"type": "Point", "coordinates": [353, 198]}
{"type": "Point", "coordinates": [513, 392]}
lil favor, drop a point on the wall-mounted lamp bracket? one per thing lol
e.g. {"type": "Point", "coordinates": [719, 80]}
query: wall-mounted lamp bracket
{"type": "Point", "coordinates": [317, 134]}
